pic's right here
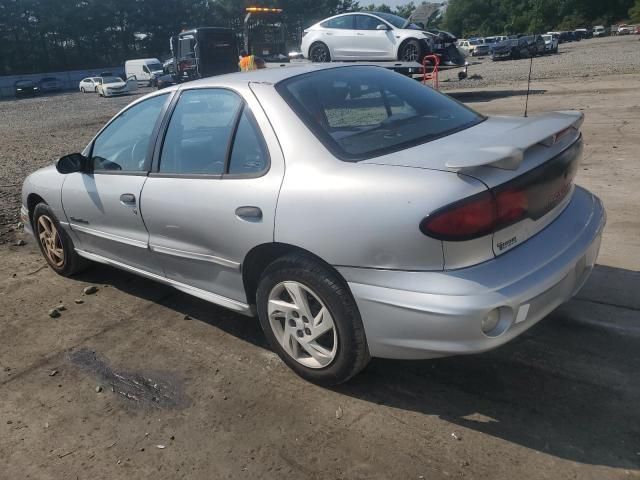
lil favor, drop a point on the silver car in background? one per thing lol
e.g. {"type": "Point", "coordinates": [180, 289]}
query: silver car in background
{"type": "Point", "coordinates": [355, 211]}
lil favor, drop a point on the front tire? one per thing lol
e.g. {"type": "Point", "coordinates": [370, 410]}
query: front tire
{"type": "Point", "coordinates": [319, 53]}
{"type": "Point", "coordinates": [412, 51]}
{"type": "Point", "coordinates": [55, 244]}
{"type": "Point", "coordinates": [311, 320]}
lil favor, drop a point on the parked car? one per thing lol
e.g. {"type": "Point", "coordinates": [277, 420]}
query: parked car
{"type": "Point", "coordinates": [535, 44]}
{"type": "Point", "coordinates": [26, 88]}
{"type": "Point", "coordinates": [474, 47]}
{"type": "Point", "coordinates": [550, 43]}
{"type": "Point", "coordinates": [624, 30]}
{"type": "Point", "coordinates": [50, 84]}
{"type": "Point", "coordinates": [583, 33]}
{"type": "Point", "coordinates": [113, 86]}
{"type": "Point", "coordinates": [511, 49]}
{"type": "Point", "coordinates": [145, 70]}
{"type": "Point", "coordinates": [367, 36]}
{"type": "Point", "coordinates": [89, 84]}
{"type": "Point", "coordinates": [480, 233]}
{"type": "Point", "coordinates": [599, 31]}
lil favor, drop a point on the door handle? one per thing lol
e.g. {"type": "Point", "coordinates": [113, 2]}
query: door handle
{"type": "Point", "coordinates": [359, 33]}
{"type": "Point", "coordinates": [128, 198]}
{"type": "Point", "coordinates": [249, 214]}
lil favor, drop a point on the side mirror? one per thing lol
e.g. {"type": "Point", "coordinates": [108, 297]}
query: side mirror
{"type": "Point", "coordinates": [74, 162]}
{"type": "Point", "coordinates": [382, 26]}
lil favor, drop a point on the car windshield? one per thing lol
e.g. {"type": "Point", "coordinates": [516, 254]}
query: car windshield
{"type": "Point", "coordinates": [547, 37]}
{"type": "Point", "coordinates": [396, 21]}
{"type": "Point", "coordinates": [111, 80]}
{"type": "Point", "coordinates": [24, 83]}
{"type": "Point", "coordinates": [475, 42]}
{"type": "Point", "coordinates": [154, 67]}
{"type": "Point", "coordinates": [361, 112]}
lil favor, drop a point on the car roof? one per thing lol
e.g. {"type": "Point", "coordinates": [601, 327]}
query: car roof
{"type": "Point", "coordinates": [270, 75]}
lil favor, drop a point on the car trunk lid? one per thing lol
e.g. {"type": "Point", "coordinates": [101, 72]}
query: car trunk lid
{"type": "Point", "coordinates": [527, 164]}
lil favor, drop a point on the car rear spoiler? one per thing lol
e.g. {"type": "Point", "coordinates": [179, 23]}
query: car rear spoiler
{"type": "Point", "coordinates": [545, 130]}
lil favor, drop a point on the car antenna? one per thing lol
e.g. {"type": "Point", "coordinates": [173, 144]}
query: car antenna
{"type": "Point", "coordinates": [526, 103]}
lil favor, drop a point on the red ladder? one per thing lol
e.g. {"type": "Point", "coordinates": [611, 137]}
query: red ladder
{"type": "Point", "coordinates": [434, 62]}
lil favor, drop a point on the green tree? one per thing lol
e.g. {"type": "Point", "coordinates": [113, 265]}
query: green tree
{"type": "Point", "coordinates": [634, 12]}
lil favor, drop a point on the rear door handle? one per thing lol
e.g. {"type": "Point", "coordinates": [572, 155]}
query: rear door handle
{"type": "Point", "coordinates": [128, 198]}
{"type": "Point", "coordinates": [249, 214]}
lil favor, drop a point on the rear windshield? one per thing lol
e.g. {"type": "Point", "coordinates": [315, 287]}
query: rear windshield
{"type": "Point", "coordinates": [365, 111]}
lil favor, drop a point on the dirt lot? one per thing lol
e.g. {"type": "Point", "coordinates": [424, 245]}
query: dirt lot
{"type": "Point", "coordinates": [560, 402]}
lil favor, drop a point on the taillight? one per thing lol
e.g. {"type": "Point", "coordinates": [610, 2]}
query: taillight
{"type": "Point", "coordinates": [477, 216]}
{"type": "Point", "coordinates": [470, 218]}
{"type": "Point", "coordinates": [511, 206]}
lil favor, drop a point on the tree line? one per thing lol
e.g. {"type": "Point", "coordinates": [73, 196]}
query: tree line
{"type": "Point", "coordinates": [53, 35]}
{"type": "Point", "coordinates": [493, 17]}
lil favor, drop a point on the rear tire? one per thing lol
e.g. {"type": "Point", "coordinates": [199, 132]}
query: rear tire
{"type": "Point", "coordinates": [82, 90]}
{"type": "Point", "coordinates": [411, 51]}
{"type": "Point", "coordinates": [319, 53]}
{"type": "Point", "coordinates": [297, 299]}
{"type": "Point", "coordinates": [55, 244]}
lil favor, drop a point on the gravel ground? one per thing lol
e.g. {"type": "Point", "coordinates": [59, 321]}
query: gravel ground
{"type": "Point", "coordinates": [588, 58]}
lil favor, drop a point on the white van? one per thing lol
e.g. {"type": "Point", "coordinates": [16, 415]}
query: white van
{"type": "Point", "coordinates": [599, 31]}
{"type": "Point", "coordinates": [144, 69]}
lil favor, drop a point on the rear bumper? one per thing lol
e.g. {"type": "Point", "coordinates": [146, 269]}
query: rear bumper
{"type": "Point", "coordinates": [413, 315]}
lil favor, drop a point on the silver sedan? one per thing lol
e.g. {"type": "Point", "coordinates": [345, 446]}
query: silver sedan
{"type": "Point", "coordinates": [356, 212]}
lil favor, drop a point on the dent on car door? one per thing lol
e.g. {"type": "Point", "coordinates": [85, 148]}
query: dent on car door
{"type": "Point", "coordinates": [102, 204]}
{"type": "Point", "coordinates": [212, 194]}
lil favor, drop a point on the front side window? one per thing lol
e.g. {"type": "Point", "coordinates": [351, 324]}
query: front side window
{"type": "Point", "coordinates": [362, 112]}
{"type": "Point", "coordinates": [199, 132]}
{"type": "Point", "coordinates": [123, 144]}
{"type": "Point", "coordinates": [366, 22]}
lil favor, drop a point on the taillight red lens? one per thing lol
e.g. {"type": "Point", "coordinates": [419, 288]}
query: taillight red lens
{"type": "Point", "coordinates": [473, 217]}
{"type": "Point", "coordinates": [511, 206]}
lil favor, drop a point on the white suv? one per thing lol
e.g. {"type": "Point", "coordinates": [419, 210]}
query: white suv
{"type": "Point", "coordinates": [365, 36]}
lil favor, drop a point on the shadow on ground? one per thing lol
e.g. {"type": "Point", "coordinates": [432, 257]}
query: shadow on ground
{"type": "Point", "coordinates": [568, 387]}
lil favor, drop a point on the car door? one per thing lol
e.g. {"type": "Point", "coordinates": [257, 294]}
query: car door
{"type": "Point", "coordinates": [339, 34]}
{"type": "Point", "coordinates": [102, 204]}
{"type": "Point", "coordinates": [371, 43]}
{"type": "Point", "coordinates": [211, 196]}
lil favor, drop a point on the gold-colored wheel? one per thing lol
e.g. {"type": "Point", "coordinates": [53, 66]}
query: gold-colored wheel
{"type": "Point", "coordinates": [50, 241]}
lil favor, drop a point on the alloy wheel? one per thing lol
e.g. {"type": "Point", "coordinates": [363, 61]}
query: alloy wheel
{"type": "Point", "coordinates": [50, 241]}
{"type": "Point", "coordinates": [319, 54]}
{"type": "Point", "coordinates": [410, 53]}
{"type": "Point", "coordinates": [302, 324]}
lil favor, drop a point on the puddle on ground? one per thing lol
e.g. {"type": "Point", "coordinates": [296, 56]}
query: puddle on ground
{"type": "Point", "coordinates": [144, 389]}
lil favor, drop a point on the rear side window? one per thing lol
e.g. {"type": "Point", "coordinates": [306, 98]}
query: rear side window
{"type": "Point", "coordinates": [249, 153]}
{"type": "Point", "coordinates": [212, 132]}
{"type": "Point", "coordinates": [199, 132]}
{"type": "Point", "coordinates": [362, 112]}
{"type": "Point", "coordinates": [344, 23]}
